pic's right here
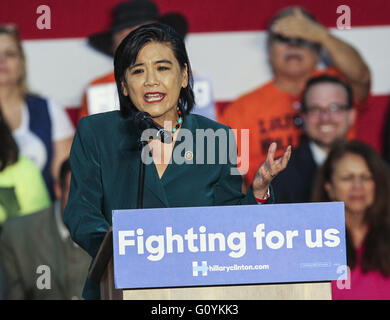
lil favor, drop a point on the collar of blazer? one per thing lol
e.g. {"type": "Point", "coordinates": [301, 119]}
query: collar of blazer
{"type": "Point", "coordinates": [131, 152]}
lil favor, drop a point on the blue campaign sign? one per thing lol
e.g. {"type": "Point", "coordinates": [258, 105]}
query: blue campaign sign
{"type": "Point", "coordinates": [178, 247]}
{"type": "Point", "coordinates": [204, 99]}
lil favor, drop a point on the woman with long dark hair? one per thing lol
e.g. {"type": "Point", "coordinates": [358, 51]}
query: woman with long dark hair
{"type": "Point", "coordinates": [355, 174]}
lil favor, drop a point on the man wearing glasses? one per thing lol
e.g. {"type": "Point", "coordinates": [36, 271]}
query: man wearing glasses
{"type": "Point", "coordinates": [296, 44]}
{"type": "Point", "coordinates": [327, 113]}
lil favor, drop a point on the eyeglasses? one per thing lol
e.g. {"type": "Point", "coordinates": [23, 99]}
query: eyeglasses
{"type": "Point", "coordinates": [333, 110]}
{"type": "Point", "coordinates": [295, 41]}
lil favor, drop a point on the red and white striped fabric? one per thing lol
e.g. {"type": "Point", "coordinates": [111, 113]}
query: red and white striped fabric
{"type": "Point", "coordinates": [226, 43]}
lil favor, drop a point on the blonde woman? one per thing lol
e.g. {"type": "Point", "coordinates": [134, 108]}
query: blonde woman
{"type": "Point", "coordinates": [41, 128]}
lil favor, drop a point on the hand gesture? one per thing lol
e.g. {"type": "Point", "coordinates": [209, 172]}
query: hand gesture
{"type": "Point", "coordinates": [269, 169]}
{"type": "Point", "coordinates": [298, 25]}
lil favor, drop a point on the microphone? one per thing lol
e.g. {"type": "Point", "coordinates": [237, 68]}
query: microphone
{"type": "Point", "coordinates": [144, 121]}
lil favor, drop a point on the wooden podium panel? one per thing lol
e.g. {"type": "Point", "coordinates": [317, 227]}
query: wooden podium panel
{"type": "Point", "coordinates": [102, 272]}
{"type": "Point", "coordinates": [292, 291]}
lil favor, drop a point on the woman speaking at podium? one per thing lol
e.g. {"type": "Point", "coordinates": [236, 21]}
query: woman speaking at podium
{"type": "Point", "coordinates": [154, 82]}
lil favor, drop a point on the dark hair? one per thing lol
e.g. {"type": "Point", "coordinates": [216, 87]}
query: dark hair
{"type": "Point", "coordinates": [64, 170]}
{"type": "Point", "coordinates": [325, 78]}
{"type": "Point", "coordinates": [9, 150]}
{"type": "Point", "coordinates": [127, 53]}
{"type": "Point", "coordinates": [376, 255]}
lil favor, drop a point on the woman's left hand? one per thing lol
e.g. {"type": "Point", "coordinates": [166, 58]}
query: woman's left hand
{"type": "Point", "coordinates": [268, 170]}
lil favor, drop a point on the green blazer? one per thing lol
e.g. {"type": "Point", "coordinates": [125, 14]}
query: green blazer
{"type": "Point", "coordinates": [105, 161]}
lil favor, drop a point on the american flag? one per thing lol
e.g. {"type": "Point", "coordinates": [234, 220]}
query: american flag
{"type": "Point", "coordinates": [226, 42]}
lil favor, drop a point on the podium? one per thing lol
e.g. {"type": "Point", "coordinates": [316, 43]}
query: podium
{"type": "Point", "coordinates": [102, 272]}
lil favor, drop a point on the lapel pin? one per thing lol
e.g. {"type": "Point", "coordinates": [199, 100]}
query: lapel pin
{"type": "Point", "coordinates": [188, 155]}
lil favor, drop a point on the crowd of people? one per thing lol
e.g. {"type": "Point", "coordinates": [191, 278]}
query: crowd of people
{"type": "Point", "coordinates": [312, 110]}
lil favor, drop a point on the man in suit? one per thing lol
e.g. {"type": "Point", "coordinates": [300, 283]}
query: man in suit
{"type": "Point", "coordinates": [327, 114]}
{"type": "Point", "coordinates": [38, 258]}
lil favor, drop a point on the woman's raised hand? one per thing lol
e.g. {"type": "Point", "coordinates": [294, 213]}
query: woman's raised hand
{"type": "Point", "coordinates": [269, 170]}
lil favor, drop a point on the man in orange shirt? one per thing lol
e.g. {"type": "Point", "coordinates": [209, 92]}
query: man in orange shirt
{"type": "Point", "coordinates": [101, 93]}
{"type": "Point", "coordinates": [270, 112]}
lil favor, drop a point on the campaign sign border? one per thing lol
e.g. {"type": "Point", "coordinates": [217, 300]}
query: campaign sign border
{"type": "Point", "coordinates": [302, 258]}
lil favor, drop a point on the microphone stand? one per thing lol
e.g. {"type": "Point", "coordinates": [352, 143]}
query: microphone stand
{"type": "Point", "coordinates": [141, 177]}
{"type": "Point", "coordinates": [144, 121]}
